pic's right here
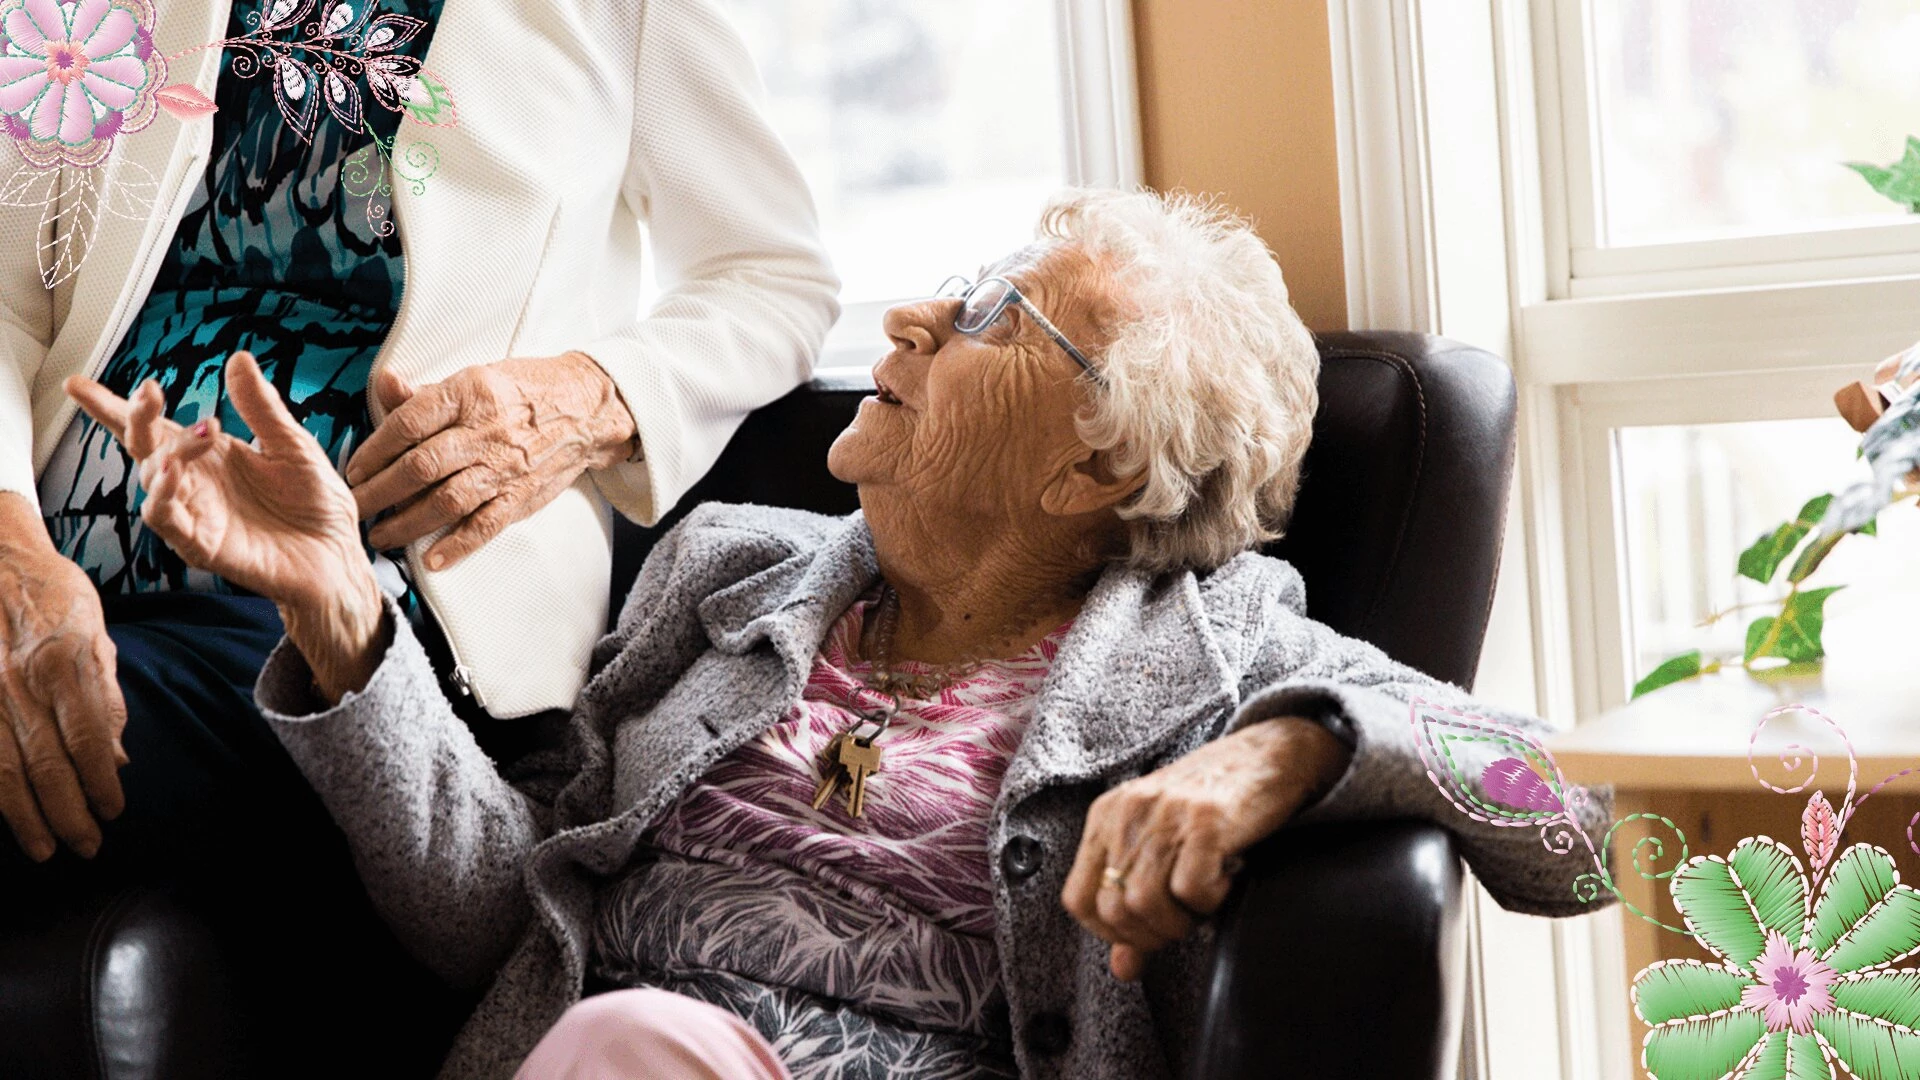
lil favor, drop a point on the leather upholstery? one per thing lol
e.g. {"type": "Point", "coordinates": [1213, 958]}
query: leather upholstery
{"type": "Point", "coordinates": [1339, 954]}
{"type": "Point", "coordinates": [1398, 524]}
{"type": "Point", "coordinates": [1397, 532]}
{"type": "Point", "coordinates": [137, 988]}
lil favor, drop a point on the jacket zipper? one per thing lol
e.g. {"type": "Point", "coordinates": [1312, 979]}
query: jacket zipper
{"type": "Point", "coordinates": [462, 676]}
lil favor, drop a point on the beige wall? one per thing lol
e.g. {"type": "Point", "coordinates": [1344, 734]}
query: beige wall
{"type": "Point", "coordinates": [1236, 100]}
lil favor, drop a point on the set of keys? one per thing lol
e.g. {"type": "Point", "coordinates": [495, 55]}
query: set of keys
{"type": "Point", "coordinates": [852, 757]}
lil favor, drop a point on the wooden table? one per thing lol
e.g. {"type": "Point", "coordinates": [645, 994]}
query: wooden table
{"type": "Point", "coordinates": [1682, 752]}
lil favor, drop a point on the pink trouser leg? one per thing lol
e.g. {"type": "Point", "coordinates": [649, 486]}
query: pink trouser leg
{"type": "Point", "coordinates": [650, 1035]}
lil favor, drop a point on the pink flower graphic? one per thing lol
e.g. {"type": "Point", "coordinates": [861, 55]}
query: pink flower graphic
{"type": "Point", "coordinates": [74, 75]}
{"type": "Point", "coordinates": [1792, 987]}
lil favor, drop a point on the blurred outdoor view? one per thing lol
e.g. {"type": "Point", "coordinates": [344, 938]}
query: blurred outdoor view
{"type": "Point", "coordinates": [1732, 117]}
{"type": "Point", "coordinates": [931, 131]}
{"type": "Point", "coordinates": [1693, 497]}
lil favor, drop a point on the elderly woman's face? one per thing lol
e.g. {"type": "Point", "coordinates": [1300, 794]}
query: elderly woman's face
{"type": "Point", "coordinates": [982, 425]}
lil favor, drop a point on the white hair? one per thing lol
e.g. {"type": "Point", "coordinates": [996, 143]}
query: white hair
{"type": "Point", "coordinates": [1210, 381]}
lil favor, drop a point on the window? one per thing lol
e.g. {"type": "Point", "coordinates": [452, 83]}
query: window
{"type": "Point", "coordinates": [1703, 143]}
{"type": "Point", "coordinates": [1694, 496]}
{"type": "Point", "coordinates": [932, 132]}
{"type": "Point", "coordinates": [1688, 272]}
{"type": "Point", "coordinates": [1723, 118]}
{"type": "Point", "coordinates": [1712, 272]}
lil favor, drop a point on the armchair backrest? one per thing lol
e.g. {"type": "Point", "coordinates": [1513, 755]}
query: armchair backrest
{"type": "Point", "coordinates": [1398, 524]}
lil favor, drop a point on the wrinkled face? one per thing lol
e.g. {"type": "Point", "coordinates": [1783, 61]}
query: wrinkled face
{"type": "Point", "coordinates": [972, 427]}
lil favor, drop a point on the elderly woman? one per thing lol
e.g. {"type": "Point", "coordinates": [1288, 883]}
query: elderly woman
{"type": "Point", "coordinates": [936, 790]}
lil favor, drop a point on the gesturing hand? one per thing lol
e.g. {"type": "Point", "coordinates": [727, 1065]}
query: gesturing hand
{"type": "Point", "coordinates": [484, 449]}
{"type": "Point", "coordinates": [1158, 852]}
{"type": "Point", "coordinates": [60, 749]}
{"type": "Point", "coordinates": [273, 518]}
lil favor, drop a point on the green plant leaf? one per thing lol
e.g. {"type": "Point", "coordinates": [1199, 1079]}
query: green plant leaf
{"type": "Point", "coordinates": [1802, 618]}
{"type": "Point", "coordinates": [1812, 556]}
{"type": "Point", "coordinates": [1678, 669]}
{"type": "Point", "coordinates": [1677, 989]}
{"type": "Point", "coordinates": [1815, 553]}
{"type": "Point", "coordinates": [1899, 181]}
{"type": "Point", "coordinates": [1757, 632]}
{"type": "Point", "coordinates": [1763, 558]}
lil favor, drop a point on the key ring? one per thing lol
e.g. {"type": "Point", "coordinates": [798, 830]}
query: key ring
{"type": "Point", "coordinates": [879, 721]}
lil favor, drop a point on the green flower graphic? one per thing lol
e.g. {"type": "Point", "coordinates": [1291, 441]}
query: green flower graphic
{"type": "Point", "coordinates": [1802, 986]}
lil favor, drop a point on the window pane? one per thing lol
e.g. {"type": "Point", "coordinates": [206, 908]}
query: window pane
{"type": "Point", "coordinates": [931, 131]}
{"type": "Point", "coordinates": [1733, 117]}
{"type": "Point", "coordinates": [1694, 497]}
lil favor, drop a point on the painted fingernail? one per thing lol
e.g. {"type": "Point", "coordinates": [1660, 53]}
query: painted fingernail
{"type": "Point", "coordinates": [200, 430]}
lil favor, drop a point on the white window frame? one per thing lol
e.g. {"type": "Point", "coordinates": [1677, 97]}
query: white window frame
{"type": "Point", "coordinates": [1100, 96]}
{"type": "Point", "coordinates": [1440, 162]}
{"type": "Point", "coordinates": [1572, 159]}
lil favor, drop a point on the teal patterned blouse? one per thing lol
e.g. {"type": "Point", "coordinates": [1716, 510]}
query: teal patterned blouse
{"type": "Point", "coordinates": [274, 256]}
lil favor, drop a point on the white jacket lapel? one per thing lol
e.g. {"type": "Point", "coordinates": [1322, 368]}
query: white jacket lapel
{"type": "Point", "coordinates": [125, 252]}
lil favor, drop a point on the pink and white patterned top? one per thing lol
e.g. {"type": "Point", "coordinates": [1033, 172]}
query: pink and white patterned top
{"type": "Point", "coordinates": [892, 911]}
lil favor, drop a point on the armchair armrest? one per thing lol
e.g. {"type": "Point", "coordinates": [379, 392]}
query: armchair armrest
{"type": "Point", "coordinates": [1330, 930]}
{"type": "Point", "coordinates": [136, 985]}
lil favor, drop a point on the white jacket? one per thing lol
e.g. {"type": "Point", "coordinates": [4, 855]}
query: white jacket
{"type": "Point", "coordinates": [578, 121]}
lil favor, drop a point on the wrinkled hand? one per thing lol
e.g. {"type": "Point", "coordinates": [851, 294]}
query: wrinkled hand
{"type": "Point", "coordinates": [60, 698]}
{"type": "Point", "coordinates": [273, 517]}
{"type": "Point", "coordinates": [1175, 835]}
{"type": "Point", "coordinates": [485, 448]}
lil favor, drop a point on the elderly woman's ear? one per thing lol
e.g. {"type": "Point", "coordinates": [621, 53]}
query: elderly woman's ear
{"type": "Point", "coordinates": [1089, 485]}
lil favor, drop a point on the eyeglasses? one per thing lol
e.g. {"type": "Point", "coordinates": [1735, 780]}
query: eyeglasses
{"type": "Point", "coordinates": [982, 305]}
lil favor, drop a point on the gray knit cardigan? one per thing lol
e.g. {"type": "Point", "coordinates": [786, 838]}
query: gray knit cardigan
{"type": "Point", "coordinates": [494, 885]}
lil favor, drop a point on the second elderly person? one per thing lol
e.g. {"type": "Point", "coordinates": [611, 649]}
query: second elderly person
{"type": "Point", "coordinates": [938, 790]}
{"type": "Point", "coordinates": [470, 350]}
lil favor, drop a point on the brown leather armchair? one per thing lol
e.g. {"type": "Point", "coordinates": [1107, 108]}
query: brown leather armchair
{"type": "Point", "coordinates": [1397, 532]}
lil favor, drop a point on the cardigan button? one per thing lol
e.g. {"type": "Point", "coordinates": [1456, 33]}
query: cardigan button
{"type": "Point", "coordinates": [1049, 1034]}
{"type": "Point", "coordinates": [1021, 858]}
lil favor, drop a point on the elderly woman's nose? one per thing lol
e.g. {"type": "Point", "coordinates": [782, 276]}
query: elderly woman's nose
{"type": "Point", "coordinates": [920, 326]}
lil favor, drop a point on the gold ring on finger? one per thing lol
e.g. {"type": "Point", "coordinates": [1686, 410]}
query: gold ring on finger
{"type": "Point", "coordinates": [1113, 878]}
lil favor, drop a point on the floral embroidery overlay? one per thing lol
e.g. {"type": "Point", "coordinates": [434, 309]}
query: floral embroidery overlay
{"type": "Point", "coordinates": [1805, 984]}
{"type": "Point", "coordinates": [76, 75]}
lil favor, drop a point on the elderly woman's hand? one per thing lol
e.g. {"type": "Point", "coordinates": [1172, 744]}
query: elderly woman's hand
{"type": "Point", "coordinates": [1158, 852]}
{"type": "Point", "coordinates": [485, 448]}
{"type": "Point", "coordinates": [273, 517]}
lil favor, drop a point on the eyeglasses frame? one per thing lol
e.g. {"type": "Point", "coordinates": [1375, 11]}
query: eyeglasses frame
{"type": "Point", "coordinates": [1013, 296]}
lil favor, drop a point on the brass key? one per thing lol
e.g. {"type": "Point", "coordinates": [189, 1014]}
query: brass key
{"type": "Point", "coordinates": [830, 772]}
{"type": "Point", "coordinates": [858, 757]}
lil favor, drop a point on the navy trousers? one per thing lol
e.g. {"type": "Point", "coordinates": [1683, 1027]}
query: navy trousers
{"type": "Point", "coordinates": [215, 808]}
